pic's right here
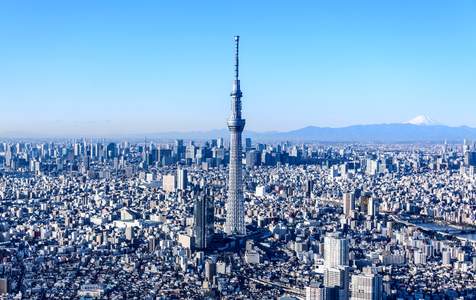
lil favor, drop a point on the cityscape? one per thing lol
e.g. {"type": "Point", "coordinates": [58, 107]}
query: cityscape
{"type": "Point", "coordinates": [343, 213]}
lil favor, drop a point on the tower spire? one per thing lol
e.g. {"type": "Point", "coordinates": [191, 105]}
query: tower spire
{"type": "Point", "coordinates": [237, 45]}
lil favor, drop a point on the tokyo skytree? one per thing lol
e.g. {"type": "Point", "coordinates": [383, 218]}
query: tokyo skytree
{"type": "Point", "coordinates": [235, 222]}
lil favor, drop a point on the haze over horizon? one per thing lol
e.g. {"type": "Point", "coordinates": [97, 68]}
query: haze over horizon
{"type": "Point", "coordinates": [418, 129]}
{"type": "Point", "coordinates": [109, 68]}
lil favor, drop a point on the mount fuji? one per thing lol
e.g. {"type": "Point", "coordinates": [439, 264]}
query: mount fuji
{"type": "Point", "coordinates": [422, 120]}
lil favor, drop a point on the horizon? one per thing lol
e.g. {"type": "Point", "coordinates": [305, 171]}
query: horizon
{"type": "Point", "coordinates": [202, 135]}
{"type": "Point", "coordinates": [96, 69]}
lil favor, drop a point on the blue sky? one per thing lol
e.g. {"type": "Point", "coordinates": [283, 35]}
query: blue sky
{"type": "Point", "coordinates": [102, 67]}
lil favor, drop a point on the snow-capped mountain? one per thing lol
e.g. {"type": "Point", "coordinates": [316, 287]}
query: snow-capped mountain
{"type": "Point", "coordinates": [422, 120]}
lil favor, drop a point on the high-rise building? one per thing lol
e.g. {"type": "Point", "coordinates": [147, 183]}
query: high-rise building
{"type": "Point", "coordinates": [169, 183]}
{"type": "Point", "coordinates": [3, 286]}
{"type": "Point", "coordinates": [210, 270]}
{"type": "Point", "coordinates": [179, 149]}
{"type": "Point", "coordinates": [252, 158]}
{"type": "Point", "coordinates": [419, 257]}
{"type": "Point", "coordinates": [190, 151]}
{"type": "Point", "coordinates": [235, 221]}
{"type": "Point", "coordinates": [337, 278]}
{"type": "Point", "coordinates": [389, 229]}
{"type": "Point", "coordinates": [204, 217]}
{"type": "Point", "coordinates": [336, 251]}
{"type": "Point", "coordinates": [349, 204]}
{"type": "Point", "coordinates": [248, 144]}
{"type": "Point", "coordinates": [309, 185]}
{"type": "Point", "coordinates": [446, 257]}
{"type": "Point", "coordinates": [366, 286]}
{"type": "Point", "coordinates": [372, 207]}
{"type": "Point", "coordinates": [164, 156]}
{"type": "Point", "coordinates": [372, 167]}
{"type": "Point", "coordinates": [152, 243]}
{"type": "Point", "coordinates": [130, 233]}
{"type": "Point", "coordinates": [315, 293]}
{"type": "Point", "coordinates": [470, 158]}
{"type": "Point", "coordinates": [213, 143]}
{"type": "Point", "coordinates": [182, 180]}
{"type": "Point", "coordinates": [111, 150]}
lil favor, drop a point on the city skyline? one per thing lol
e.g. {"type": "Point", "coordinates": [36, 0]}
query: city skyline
{"type": "Point", "coordinates": [95, 69]}
{"type": "Point", "coordinates": [124, 174]}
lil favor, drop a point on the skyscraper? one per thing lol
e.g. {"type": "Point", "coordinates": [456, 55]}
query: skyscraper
{"type": "Point", "coordinates": [336, 251]}
{"type": "Point", "coordinates": [366, 286]}
{"type": "Point", "coordinates": [203, 219]}
{"type": "Point", "coordinates": [337, 278]}
{"type": "Point", "coordinates": [349, 203]}
{"type": "Point", "coordinates": [182, 180]}
{"type": "Point", "coordinates": [372, 207]}
{"type": "Point", "coordinates": [248, 144]}
{"type": "Point", "coordinates": [220, 143]}
{"type": "Point", "coordinates": [235, 222]}
{"type": "Point", "coordinates": [179, 149]}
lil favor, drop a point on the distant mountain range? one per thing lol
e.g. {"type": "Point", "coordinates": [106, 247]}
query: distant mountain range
{"type": "Point", "coordinates": [418, 129]}
{"type": "Point", "coordinates": [382, 133]}
{"type": "Point", "coordinates": [358, 133]}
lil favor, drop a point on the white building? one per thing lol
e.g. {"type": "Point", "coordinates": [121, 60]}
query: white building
{"type": "Point", "coordinates": [336, 251]}
{"type": "Point", "coordinates": [169, 183]}
{"type": "Point", "coordinates": [349, 204]}
{"type": "Point", "coordinates": [366, 286]}
{"type": "Point", "coordinates": [182, 180]}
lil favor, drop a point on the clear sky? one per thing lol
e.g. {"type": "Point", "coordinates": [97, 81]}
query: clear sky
{"type": "Point", "coordinates": [102, 67]}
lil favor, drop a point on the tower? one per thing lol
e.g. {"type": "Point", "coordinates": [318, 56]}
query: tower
{"type": "Point", "coordinates": [235, 222]}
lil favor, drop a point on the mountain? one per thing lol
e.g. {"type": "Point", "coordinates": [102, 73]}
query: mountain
{"type": "Point", "coordinates": [420, 130]}
{"type": "Point", "coordinates": [382, 133]}
{"type": "Point", "coordinates": [422, 120]}
{"type": "Point", "coordinates": [385, 133]}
